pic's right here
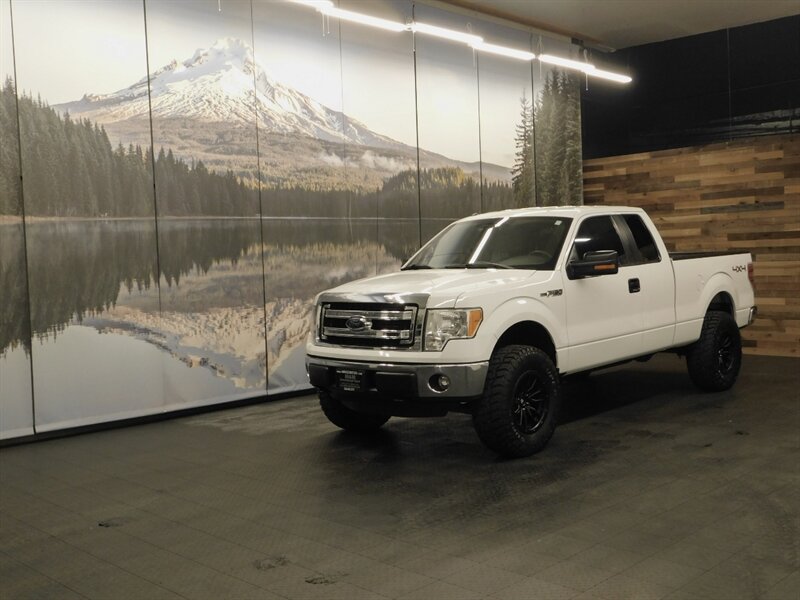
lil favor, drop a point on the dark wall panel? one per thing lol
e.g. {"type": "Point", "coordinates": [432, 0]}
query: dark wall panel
{"type": "Point", "coordinates": [764, 53]}
{"type": "Point", "coordinates": [716, 86]}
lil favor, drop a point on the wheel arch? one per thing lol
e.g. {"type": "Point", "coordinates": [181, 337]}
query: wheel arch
{"type": "Point", "coordinates": [529, 333]}
{"type": "Point", "coordinates": [719, 293]}
{"type": "Point", "coordinates": [723, 302]}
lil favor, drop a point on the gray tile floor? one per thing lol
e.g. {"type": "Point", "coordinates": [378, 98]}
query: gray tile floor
{"type": "Point", "coordinates": [648, 490]}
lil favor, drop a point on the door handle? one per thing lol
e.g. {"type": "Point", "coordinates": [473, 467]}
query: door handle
{"type": "Point", "coordinates": [633, 285]}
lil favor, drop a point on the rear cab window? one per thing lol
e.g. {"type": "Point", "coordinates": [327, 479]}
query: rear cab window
{"type": "Point", "coordinates": [648, 250]}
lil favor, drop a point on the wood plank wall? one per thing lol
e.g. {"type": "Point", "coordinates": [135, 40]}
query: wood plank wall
{"type": "Point", "coordinates": [740, 195]}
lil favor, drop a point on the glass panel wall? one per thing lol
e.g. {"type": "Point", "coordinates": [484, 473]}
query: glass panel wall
{"type": "Point", "coordinates": [557, 126]}
{"type": "Point", "coordinates": [16, 395]}
{"type": "Point", "coordinates": [306, 190]}
{"type": "Point", "coordinates": [206, 178]}
{"type": "Point", "coordinates": [506, 121]}
{"type": "Point", "coordinates": [380, 122]}
{"type": "Point", "coordinates": [447, 112]}
{"type": "Point", "coordinates": [196, 172]}
{"type": "Point", "coordinates": [88, 194]}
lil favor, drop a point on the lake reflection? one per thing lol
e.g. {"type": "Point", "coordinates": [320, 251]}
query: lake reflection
{"type": "Point", "coordinates": [14, 316]}
{"type": "Point", "coordinates": [220, 303]}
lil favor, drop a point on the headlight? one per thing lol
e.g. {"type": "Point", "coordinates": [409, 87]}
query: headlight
{"type": "Point", "coordinates": [443, 325]}
{"type": "Point", "coordinates": [317, 332]}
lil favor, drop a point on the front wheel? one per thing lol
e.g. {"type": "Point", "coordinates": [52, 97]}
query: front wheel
{"type": "Point", "coordinates": [521, 400]}
{"type": "Point", "coordinates": [714, 360]}
{"type": "Point", "coordinates": [348, 419]}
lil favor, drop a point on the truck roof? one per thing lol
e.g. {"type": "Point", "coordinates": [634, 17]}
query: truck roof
{"type": "Point", "coordinates": [557, 211]}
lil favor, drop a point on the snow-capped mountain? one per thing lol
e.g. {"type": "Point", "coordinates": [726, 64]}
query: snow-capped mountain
{"type": "Point", "coordinates": [216, 85]}
{"type": "Point", "coordinates": [203, 109]}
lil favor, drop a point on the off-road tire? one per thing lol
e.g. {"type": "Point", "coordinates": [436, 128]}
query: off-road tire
{"type": "Point", "coordinates": [714, 360]}
{"type": "Point", "coordinates": [348, 419]}
{"type": "Point", "coordinates": [519, 378]}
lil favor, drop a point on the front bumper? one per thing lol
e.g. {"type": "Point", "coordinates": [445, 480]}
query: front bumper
{"type": "Point", "coordinates": [398, 380]}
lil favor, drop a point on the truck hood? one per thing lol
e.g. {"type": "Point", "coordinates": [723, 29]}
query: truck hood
{"type": "Point", "coordinates": [444, 286]}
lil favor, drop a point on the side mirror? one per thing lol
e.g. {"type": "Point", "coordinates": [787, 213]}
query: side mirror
{"type": "Point", "coordinates": [600, 262]}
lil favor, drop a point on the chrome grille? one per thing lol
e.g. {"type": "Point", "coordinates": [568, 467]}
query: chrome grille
{"type": "Point", "coordinates": [368, 324]}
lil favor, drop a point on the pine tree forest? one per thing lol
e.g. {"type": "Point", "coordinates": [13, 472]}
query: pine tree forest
{"type": "Point", "coordinates": [9, 152]}
{"type": "Point", "coordinates": [523, 174]}
{"type": "Point", "coordinates": [72, 170]}
{"type": "Point", "coordinates": [557, 141]}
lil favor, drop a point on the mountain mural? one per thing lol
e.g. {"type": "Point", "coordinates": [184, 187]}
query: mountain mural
{"type": "Point", "coordinates": [204, 108]}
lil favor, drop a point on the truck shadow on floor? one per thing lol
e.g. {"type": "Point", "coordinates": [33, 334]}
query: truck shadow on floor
{"type": "Point", "coordinates": [421, 467]}
{"type": "Point", "coordinates": [601, 392]}
{"type": "Point", "coordinates": [608, 409]}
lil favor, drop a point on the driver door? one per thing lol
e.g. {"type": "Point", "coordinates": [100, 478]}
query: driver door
{"type": "Point", "coordinates": [604, 313]}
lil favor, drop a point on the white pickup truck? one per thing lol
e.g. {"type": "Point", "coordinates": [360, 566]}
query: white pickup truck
{"type": "Point", "coordinates": [488, 315]}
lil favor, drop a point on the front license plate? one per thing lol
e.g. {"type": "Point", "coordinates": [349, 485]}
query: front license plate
{"type": "Point", "coordinates": [349, 379]}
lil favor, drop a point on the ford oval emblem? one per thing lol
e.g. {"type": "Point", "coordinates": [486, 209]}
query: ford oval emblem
{"type": "Point", "coordinates": [356, 323]}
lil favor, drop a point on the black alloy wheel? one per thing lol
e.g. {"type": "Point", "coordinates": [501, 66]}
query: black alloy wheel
{"type": "Point", "coordinates": [519, 409]}
{"type": "Point", "coordinates": [725, 354]}
{"type": "Point", "coordinates": [531, 403]}
{"type": "Point", "coordinates": [715, 359]}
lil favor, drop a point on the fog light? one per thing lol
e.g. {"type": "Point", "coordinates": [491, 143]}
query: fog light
{"type": "Point", "coordinates": [439, 383]}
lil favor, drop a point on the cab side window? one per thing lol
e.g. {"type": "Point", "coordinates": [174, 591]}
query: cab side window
{"type": "Point", "coordinates": [644, 240]}
{"type": "Point", "coordinates": [597, 233]}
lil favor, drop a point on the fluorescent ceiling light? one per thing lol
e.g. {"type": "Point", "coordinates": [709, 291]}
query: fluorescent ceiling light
{"type": "Point", "coordinates": [355, 17]}
{"type": "Point", "coordinates": [326, 7]}
{"type": "Point", "coordinates": [504, 51]}
{"type": "Point", "coordinates": [566, 62]}
{"type": "Point", "coordinates": [448, 34]}
{"type": "Point", "coordinates": [586, 67]}
{"type": "Point", "coordinates": [611, 76]}
{"type": "Point", "coordinates": [318, 4]}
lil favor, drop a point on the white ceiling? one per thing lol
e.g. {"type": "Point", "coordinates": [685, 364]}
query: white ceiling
{"type": "Point", "coordinates": [622, 23]}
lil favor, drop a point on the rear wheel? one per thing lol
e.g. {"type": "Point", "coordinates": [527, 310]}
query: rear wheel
{"type": "Point", "coordinates": [714, 360]}
{"type": "Point", "coordinates": [346, 418]}
{"type": "Point", "coordinates": [519, 409]}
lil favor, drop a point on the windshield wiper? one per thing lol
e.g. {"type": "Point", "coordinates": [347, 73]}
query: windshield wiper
{"type": "Point", "coordinates": [415, 267]}
{"type": "Point", "coordinates": [479, 265]}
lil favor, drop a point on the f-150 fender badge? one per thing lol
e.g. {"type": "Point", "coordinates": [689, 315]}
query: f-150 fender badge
{"type": "Point", "coordinates": [739, 268]}
{"type": "Point", "coordinates": [551, 293]}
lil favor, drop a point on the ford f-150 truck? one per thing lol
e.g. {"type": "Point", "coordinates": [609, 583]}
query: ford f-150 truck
{"type": "Point", "coordinates": [489, 315]}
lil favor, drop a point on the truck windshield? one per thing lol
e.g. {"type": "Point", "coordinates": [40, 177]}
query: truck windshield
{"type": "Point", "coordinates": [498, 243]}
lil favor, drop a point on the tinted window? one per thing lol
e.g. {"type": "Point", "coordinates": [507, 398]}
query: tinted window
{"type": "Point", "coordinates": [644, 241]}
{"type": "Point", "coordinates": [595, 234]}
